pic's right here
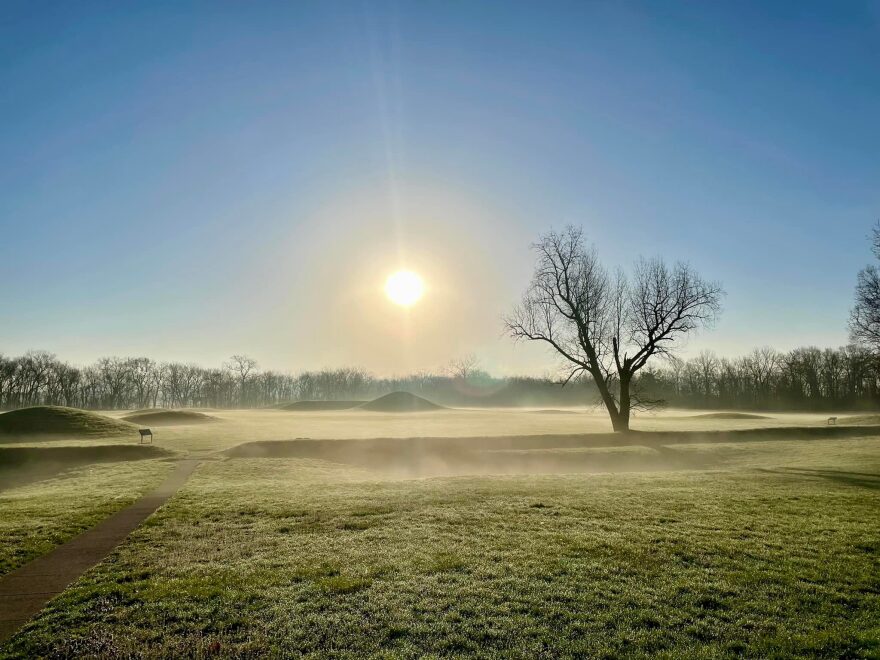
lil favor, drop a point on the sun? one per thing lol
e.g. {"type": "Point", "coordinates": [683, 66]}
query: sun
{"type": "Point", "coordinates": [404, 288]}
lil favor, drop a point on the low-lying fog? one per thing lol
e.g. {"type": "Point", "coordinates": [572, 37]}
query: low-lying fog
{"type": "Point", "coordinates": [481, 441]}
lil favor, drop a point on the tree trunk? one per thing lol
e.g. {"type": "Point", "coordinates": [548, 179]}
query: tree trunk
{"type": "Point", "coordinates": [619, 423]}
{"type": "Point", "coordinates": [622, 425]}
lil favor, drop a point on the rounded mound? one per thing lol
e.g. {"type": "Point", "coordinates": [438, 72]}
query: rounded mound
{"type": "Point", "coordinates": [169, 418]}
{"type": "Point", "coordinates": [58, 420]}
{"type": "Point", "coordinates": [305, 406]}
{"type": "Point", "coordinates": [400, 402]}
{"type": "Point", "coordinates": [141, 411]}
{"type": "Point", "coordinates": [731, 415]}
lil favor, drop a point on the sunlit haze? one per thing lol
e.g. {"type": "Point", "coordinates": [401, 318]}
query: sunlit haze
{"type": "Point", "coordinates": [404, 288]}
{"type": "Point", "coordinates": [405, 328]}
{"type": "Point", "coordinates": [191, 183]}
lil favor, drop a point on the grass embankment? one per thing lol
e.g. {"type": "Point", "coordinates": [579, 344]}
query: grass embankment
{"type": "Point", "coordinates": [51, 422]}
{"type": "Point", "coordinates": [590, 453]}
{"type": "Point", "coordinates": [20, 465]}
{"type": "Point", "coordinates": [776, 557]}
{"type": "Point", "coordinates": [168, 418]}
{"type": "Point", "coordinates": [860, 420]}
{"type": "Point", "coordinates": [36, 517]}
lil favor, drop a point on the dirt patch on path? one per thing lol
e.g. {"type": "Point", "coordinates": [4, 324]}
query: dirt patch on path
{"type": "Point", "coordinates": [26, 590]}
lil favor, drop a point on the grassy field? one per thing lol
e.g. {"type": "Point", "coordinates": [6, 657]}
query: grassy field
{"type": "Point", "coordinates": [43, 505]}
{"type": "Point", "coordinates": [237, 426]}
{"type": "Point", "coordinates": [767, 548]}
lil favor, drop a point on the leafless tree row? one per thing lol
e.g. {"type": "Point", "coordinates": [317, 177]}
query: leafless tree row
{"type": "Point", "coordinates": [807, 378]}
{"type": "Point", "coordinates": [803, 379]}
{"type": "Point", "coordinates": [40, 378]}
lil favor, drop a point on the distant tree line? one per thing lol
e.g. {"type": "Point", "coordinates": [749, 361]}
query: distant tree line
{"type": "Point", "coordinates": [805, 378]}
{"type": "Point", "coordinates": [40, 378]}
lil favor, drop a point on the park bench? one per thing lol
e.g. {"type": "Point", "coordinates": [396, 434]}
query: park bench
{"type": "Point", "coordinates": [146, 433]}
{"type": "Point", "coordinates": [832, 421]}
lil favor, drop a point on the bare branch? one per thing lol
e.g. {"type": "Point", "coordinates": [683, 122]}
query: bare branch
{"type": "Point", "coordinates": [609, 327]}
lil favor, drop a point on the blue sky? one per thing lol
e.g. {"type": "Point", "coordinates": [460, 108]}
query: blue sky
{"type": "Point", "coordinates": [188, 182]}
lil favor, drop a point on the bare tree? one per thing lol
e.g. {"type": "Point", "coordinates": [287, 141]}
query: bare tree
{"type": "Point", "coordinates": [69, 379]}
{"type": "Point", "coordinates": [762, 366]}
{"type": "Point", "coordinates": [241, 367]}
{"type": "Point", "coordinates": [864, 322]}
{"type": "Point", "coordinates": [157, 378]}
{"type": "Point", "coordinates": [7, 379]}
{"type": "Point", "coordinates": [174, 384]}
{"type": "Point", "coordinates": [707, 365]}
{"type": "Point", "coordinates": [462, 368]}
{"type": "Point", "coordinates": [116, 377]}
{"type": "Point", "coordinates": [141, 372]}
{"type": "Point", "coordinates": [608, 325]}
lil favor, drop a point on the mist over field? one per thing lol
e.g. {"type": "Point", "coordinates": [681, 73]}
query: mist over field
{"type": "Point", "coordinates": [406, 330]}
{"type": "Point", "coordinates": [430, 525]}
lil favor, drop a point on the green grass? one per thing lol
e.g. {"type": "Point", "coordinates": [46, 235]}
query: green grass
{"type": "Point", "coordinates": [36, 517]}
{"type": "Point", "coordinates": [776, 555]}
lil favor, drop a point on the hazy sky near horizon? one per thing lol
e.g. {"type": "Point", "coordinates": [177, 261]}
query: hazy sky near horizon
{"type": "Point", "coordinates": [191, 180]}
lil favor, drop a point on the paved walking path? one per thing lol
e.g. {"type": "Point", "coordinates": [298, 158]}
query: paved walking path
{"type": "Point", "coordinates": [25, 591]}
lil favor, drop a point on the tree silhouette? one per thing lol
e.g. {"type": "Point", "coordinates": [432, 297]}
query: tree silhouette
{"type": "Point", "coordinates": [864, 322]}
{"type": "Point", "coordinates": [606, 325]}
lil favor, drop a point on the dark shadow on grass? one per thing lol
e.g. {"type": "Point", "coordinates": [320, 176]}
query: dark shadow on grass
{"type": "Point", "coordinates": [861, 479]}
{"type": "Point", "coordinates": [24, 465]}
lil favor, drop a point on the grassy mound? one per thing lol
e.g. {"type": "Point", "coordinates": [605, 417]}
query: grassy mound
{"type": "Point", "coordinates": [168, 418]}
{"type": "Point", "coordinates": [307, 406]}
{"type": "Point", "coordinates": [58, 420]}
{"type": "Point", "coordinates": [731, 415]}
{"type": "Point", "coordinates": [400, 402]}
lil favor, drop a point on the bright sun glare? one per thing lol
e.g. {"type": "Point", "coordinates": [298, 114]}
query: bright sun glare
{"type": "Point", "coordinates": [404, 288]}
